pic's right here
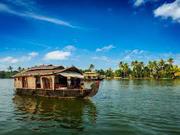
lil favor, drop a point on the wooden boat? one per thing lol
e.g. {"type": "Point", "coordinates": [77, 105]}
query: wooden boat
{"type": "Point", "coordinates": [93, 76]}
{"type": "Point", "coordinates": [53, 81]}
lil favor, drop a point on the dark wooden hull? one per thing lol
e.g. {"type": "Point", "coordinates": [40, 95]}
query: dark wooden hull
{"type": "Point", "coordinates": [56, 93]}
{"type": "Point", "coordinates": [67, 93]}
{"type": "Point", "coordinates": [99, 79]}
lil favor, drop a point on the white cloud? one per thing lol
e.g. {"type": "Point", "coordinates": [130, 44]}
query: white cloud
{"type": "Point", "coordinates": [28, 57]}
{"type": "Point", "coordinates": [169, 10]}
{"type": "Point", "coordinates": [138, 3]}
{"type": "Point", "coordinates": [9, 59]}
{"type": "Point", "coordinates": [27, 4]}
{"type": "Point", "coordinates": [105, 48]}
{"type": "Point", "coordinates": [57, 55]}
{"type": "Point", "coordinates": [49, 19]}
{"type": "Point", "coordinates": [33, 54]}
{"type": "Point", "coordinates": [5, 8]}
{"type": "Point", "coordinates": [70, 48]}
{"type": "Point", "coordinates": [134, 54]}
{"type": "Point", "coordinates": [13, 60]}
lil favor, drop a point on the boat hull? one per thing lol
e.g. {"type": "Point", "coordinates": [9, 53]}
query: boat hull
{"type": "Point", "coordinates": [56, 93]}
{"type": "Point", "coordinates": [60, 93]}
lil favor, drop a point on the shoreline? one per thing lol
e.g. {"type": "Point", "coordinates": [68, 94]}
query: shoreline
{"type": "Point", "coordinates": [141, 79]}
{"type": "Point", "coordinates": [128, 79]}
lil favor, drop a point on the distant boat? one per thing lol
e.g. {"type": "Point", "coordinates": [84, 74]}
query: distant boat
{"type": "Point", "coordinates": [177, 75]}
{"type": "Point", "coordinates": [92, 76]}
{"type": "Point", "coordinates": [53, 81]}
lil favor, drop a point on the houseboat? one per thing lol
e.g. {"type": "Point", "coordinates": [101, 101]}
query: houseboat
{"type": "Point", "coordinates": [177, 74]}
{"type": "Point", "coordinates": [53, 81]}
{"type": "Point", "coordinates": [92, 76]}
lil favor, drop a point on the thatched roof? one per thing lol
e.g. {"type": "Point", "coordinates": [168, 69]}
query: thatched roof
{"type": "Point", "coordinates": [46, 70]}
{"type": "Point", "coordinates": [45, 67]}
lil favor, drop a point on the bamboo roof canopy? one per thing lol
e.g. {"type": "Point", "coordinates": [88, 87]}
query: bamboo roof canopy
{"type": "Point", "coordinates": [50, 70]}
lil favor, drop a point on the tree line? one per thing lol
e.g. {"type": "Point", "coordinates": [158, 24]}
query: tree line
{"type": "Point", "coordinates": [10, 72]}
{"type": "Point", "coordinates": [140, 70]}
{"type": "Point", "coordinates": [135, 69]}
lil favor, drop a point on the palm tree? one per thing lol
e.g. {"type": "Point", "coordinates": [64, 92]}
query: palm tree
{"type": "Point", "coordinates": [120, 64]}
{"type": "Point", "coordinates": [137, 68]}
{"type": "Point", "coordinates": [19, 69]}
{"type": "Point", "coordinates": [153, 67]}
{"type": "Point", "coordinates": [174, 70]}
{"type": "Point", "coordinates": [109, 73]}
{"type": "Point", "coordinates": [10, 68]}
{"type": "Point", "coordinates": [161, 65]}
{"type": "Point", "coordinates": [124, 67]}
{"type": "Point", "coordinates": [146, 72]}
{"type": "Point", "coordinates": [91, 67]}
{"type": "Point", "coordinates": [169, 67]}
{"type": "Point", "coordinates": [133, 64]}
{"type": "Point", "coordinates": [170, 61]}
{"type": "Point", "coordinates": [141, 68]}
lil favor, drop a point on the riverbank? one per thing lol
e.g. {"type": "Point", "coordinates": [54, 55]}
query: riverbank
{"type": "Point", "coordinates": [119, 78]}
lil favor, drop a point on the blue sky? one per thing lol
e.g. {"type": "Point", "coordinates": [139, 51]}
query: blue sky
{"type": "Point", "coordinates": [81, 32]}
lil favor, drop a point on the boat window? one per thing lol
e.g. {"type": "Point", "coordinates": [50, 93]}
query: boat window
{"type": "Point", "coordinates": [38, 82]}
{"type": "Point", "coordinates": [60, 81]}
{"type": "Point", "coordinates": [75, 83]}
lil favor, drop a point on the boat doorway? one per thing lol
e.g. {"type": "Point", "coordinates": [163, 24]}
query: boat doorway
{"type": "Point", "coordinates": [61, 82]}
{"type": "Point", "coordinates": [47, 83]}
{"type": "Point", "coordinates": [24, 82]}
{"type": "Point", "coordinates": [38, 82]}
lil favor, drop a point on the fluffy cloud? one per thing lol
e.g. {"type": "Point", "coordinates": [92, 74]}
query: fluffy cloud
{"type": "Point", "coordinates": [13, 60]}
{"type": "Point", "coordinates": [9, 59]}
{"type": "Point", "coordinates": [169, 10]}
{"type": "Point", "coordinates": [105, 48]}
{"type": "Point", "coordinates": [70, 48]}
{"type": "Point", "coordinates": [33, 54]}
{"type": "Point", "coordinates": [138, 2]}
{"type": "Point", "coordinates": [57, 55]}
{"type": "Point", "coordinates": [28, 57]}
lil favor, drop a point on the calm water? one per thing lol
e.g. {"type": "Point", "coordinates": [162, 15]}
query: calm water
{"type": "Point", "coordinates": [121, 107]}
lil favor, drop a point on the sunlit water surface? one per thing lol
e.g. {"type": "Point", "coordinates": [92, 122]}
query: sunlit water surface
{"type": "Point", "coordinates": [140, 107]}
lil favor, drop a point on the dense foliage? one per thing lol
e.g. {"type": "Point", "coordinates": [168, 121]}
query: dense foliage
{"type": "Point", "coordinates": [10, 72]}
{"type": "Point", "coordinates": [136, 69]}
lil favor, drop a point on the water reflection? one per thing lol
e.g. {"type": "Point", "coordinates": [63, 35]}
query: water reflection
{"type": "Point", "coordinates": [157, 83]}
{"type": "Point", "coordinates": [64, 113]}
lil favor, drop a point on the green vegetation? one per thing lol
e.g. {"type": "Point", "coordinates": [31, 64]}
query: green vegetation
{"type": "Point", "coordinates": [139, 70]}
{"type": "Point", "coordinates": [10, 72]}
{"type": "Point", "coordinates": [134, 70]}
